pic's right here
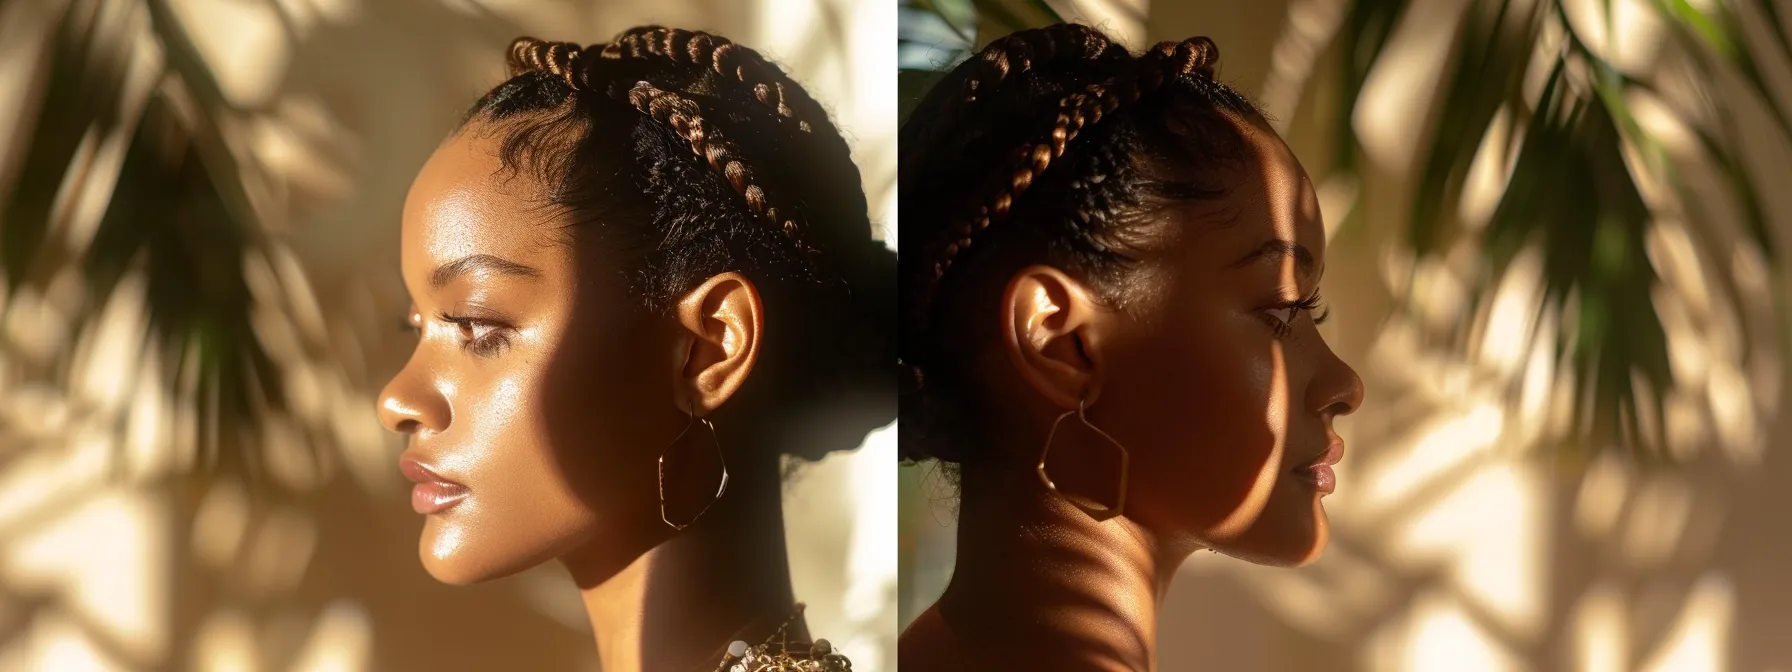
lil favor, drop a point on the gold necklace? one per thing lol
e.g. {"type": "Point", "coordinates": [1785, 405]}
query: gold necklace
{"type": "Point", "coordinates": [788, 656]}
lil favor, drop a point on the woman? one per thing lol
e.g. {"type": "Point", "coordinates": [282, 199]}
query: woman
{"type": "Point", "coordinates": [641, 271]}
{"type": "Point", "coordinates": [1110, 270]}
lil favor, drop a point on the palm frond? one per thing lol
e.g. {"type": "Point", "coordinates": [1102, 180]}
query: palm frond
{"type": "Point", "coordinates": [176, 213]}
{"type": "Point", "coordinates": [1571, 194]}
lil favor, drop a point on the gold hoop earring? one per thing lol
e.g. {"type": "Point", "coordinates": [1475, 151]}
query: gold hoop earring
{"type": "Point", "coordinates": [713, 440]}
{"type": "Point", "coordinates": [1098, 513]}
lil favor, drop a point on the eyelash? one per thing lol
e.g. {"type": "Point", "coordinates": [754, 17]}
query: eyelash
{"type": "Point", "coordinates": [489, 345]}
{"type": "Point", "coordinates": [1283, 327]}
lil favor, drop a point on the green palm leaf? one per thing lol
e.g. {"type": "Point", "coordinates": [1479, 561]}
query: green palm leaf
{"type": "Point", "coordinates": [1571, 195]}
{"type": "Point", "coordinates": [178, 217]}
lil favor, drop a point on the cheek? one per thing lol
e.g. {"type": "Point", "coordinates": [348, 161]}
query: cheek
{"type": "Point", "coordinates": [521, 509]}
{"type": "Point", "coordinates": [1205, 401]}
{"type": "Point", "coordinates": [523, 460]}
{"type": "Point", "coordinates": [554, 457]}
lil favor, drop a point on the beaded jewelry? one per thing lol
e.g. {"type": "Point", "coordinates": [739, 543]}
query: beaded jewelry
{"type": "Point", "coordinates": [788, 656]}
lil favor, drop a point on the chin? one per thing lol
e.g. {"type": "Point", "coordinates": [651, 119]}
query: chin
{"type": "Point", "coordinates": [451, 568]}
{"type": "Point", "coordinates": [1314, 548]}
{"type": "Point", "coordinates": [448, 558]}
{"type": "Point", "coordinates": [1281, 538]}
{"type": "Point", "coordinates": [448, 572]}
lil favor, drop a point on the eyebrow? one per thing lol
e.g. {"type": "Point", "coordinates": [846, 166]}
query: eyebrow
{"type": "Point", "coordinates": [1276, 249]}
{"type": "Point", "coordinates": [446, 273]}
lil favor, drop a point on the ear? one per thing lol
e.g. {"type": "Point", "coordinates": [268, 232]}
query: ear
{"type": "Point", "coordinates": [1050, 325]}
{"type": "Point", "coordinates": [722, 322]}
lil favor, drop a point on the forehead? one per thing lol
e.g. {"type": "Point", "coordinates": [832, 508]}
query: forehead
{"type": "Point", "coordinates": [460, 205]}
{"type": "Point", "coordinates": [1269, 198]}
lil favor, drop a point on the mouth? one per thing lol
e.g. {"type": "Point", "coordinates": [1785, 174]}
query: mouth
{"type": "Point", "coordinates": [1318, 472]}
{"type": "Point", "coordinates": [432, 493]}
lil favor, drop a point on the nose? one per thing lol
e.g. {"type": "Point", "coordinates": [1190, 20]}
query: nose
{"type": "Point", "coordinates": [410, 405]}
{"type": "Point", "coordinates": [1338, 390]}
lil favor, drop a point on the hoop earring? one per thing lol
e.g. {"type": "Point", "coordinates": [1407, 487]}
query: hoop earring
{"type": "Point", "coordinates": [713, 440]}
{"type": "Point", "coordinates": [1098, 513]}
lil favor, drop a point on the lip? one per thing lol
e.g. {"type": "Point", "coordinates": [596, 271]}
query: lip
{"type": "Point", "coordinates": [432, 493]}
{"type": "Point", "coordinates": [1319, 471]}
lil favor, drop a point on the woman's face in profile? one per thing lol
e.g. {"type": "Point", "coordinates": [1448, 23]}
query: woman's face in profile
{"type": "Point", "coordinates": [1222, 392]}
{"type": "Point", "coordinates": [533, 393]}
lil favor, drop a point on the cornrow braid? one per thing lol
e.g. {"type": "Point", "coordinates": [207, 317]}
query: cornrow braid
{"type": "Point", "coordinates": [683, 115]}
{"type": "Point", "coordinates": [1005, 60]}
{"type": "Point", "coordinates": [768, 84]}
{"type": "Point", "coordinates": [686, 119]}
{"type": "Point", "coordinates": [560, 59]}
{"type": "Point", "coordinates": [1163, 63]}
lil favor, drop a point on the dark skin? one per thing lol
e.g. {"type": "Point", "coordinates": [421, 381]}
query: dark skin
{"type": "Point", "coordinates": [538, 385]}
{"type": "Point", "coordinates": [1222, 393]}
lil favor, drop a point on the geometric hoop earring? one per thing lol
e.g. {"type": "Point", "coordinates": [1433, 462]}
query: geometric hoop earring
{"type": "Point", "coordinates": [1101, 512]}
{"type": "Point", "coordinates": [713, 440]}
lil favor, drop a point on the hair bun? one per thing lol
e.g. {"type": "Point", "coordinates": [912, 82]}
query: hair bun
{"type": "Point", "coordinates": [862, 395]}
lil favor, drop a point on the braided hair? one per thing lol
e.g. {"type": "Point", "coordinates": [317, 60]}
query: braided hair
{"type": "Point", "coordinates": [692, 156]}
{"type": "Point", "coordinates": [1042, 148]}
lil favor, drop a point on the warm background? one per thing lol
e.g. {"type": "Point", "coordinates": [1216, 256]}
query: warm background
{"type": "Point", "coordinates": [1475, 527]}
{"type": "Point", "coordinates": [186, 185]}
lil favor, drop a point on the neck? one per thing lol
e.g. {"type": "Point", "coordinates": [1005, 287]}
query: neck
{"type": "Point", "coordinates": [1093, 587]}
{"type": "Point", "coordinates": [677, 606]}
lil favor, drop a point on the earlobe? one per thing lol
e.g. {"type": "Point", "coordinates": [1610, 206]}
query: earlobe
{"type": "Point", "coordinates": [1050, 332]}
{"type": "Point", "coordinates": [722, 321]}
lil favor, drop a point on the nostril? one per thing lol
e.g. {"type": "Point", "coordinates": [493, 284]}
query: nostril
{"type": "Point", "coordinates": [409, 406]}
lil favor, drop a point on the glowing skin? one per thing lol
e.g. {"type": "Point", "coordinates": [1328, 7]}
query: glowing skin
{"type": "Point", "coordinates": [1225, 413]}
{"type": "Point", "coordinates": [1221, 412]}
{"type": "Point", "coordinates": [548, 402]}
{"type": "Point", "coordinates": [487, 401]}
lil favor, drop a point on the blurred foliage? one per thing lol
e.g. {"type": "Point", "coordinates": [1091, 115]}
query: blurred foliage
{"type": "Point", "coordinates": [932, 36]}
{"type": "Point", "coordinates": [176, 214]}
{"type": "Point", "coordinates": [1571, 194]}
